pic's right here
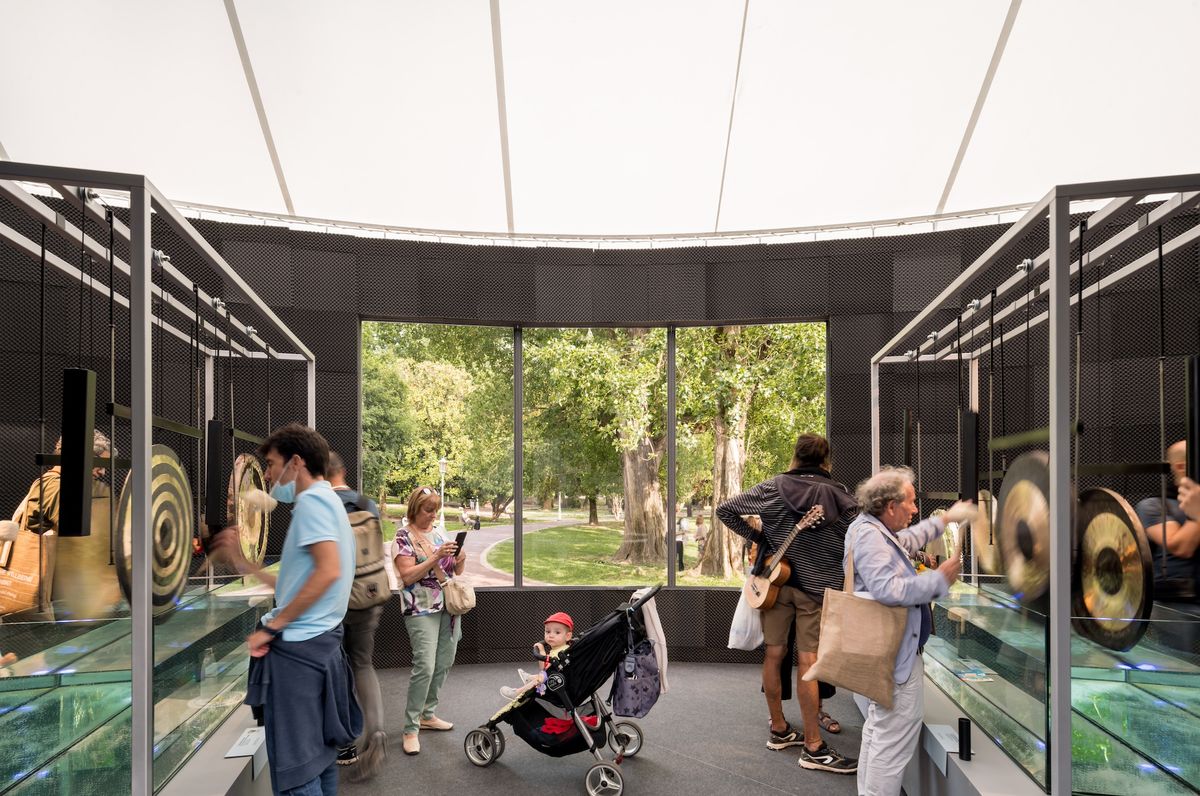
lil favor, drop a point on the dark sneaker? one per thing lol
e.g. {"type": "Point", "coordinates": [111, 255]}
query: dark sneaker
{"type": "Point", "coordinates": [347, 755]}
{"type": "Point", "coordinates": [782, 740]}
{"type": "Point", "coordinates": [827, 759]}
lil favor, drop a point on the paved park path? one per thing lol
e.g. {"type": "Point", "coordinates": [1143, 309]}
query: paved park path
{"type": "Point", "coordinates": [478, 543]}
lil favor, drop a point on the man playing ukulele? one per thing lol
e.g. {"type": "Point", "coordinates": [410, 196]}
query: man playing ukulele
{"type": "Point", "coordinates": [815, 556]}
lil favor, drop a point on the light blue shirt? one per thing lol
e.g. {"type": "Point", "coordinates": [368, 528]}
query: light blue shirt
{"type": "Point", "coordinates": [317, 516]}
{"type": "Point", "coordinates": [887, 575]}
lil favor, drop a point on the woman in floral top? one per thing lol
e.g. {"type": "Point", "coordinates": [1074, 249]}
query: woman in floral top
{"type": "Point", "coordinates": [420, 549]}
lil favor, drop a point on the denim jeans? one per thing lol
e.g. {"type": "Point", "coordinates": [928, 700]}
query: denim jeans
{"type": "Point", "coordinates": [324, 785]}
{"type": "Point", "coordinates": [434, 640]}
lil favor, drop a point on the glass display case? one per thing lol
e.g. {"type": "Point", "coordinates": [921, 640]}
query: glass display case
{"type": "Point", "coordinates": [65, 715]}
{"type": "Point", "coordinates": [1135, 713]}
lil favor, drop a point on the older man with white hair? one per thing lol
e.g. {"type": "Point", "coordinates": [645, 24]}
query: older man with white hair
{"type": "Point", "coordinates": [882, 543]}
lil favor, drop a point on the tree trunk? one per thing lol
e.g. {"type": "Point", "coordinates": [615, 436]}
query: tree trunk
{"type": "Point", "coordinates": [645, 519]}
{"type": "Point", "coordinates": [593, 511]}
{"type": "Point", "coordinates": [616, 506]}
{"type": "Point", "coordinates": [723, 550]}
{"type": "Point", "coordinates": [499, 504]}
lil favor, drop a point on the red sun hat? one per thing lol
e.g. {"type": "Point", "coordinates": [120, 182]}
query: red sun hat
{"type": "Point", "coordinates": [562, 618]}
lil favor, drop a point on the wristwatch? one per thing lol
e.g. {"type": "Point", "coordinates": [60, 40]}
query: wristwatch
{"type": "Point", "coordinates": [273, 632]}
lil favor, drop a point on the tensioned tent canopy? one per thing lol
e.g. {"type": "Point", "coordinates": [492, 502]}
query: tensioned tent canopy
{"type": "Point", "coordinates": [614, 118]}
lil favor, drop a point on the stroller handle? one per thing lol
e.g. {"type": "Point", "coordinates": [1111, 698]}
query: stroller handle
{"type": "Point", "coordinates": [635, 606]}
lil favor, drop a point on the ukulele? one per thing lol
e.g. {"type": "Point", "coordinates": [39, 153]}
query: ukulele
{"type": "Point", "coordinates": [762, 590]}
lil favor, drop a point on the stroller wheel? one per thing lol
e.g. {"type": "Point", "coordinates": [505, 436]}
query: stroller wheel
{"type": "Point", "coordinates": [625, 738]}
{"type": "Point", "coordinates": [604, 779]}
{"type": "Point", "coordinates": [483, 747]}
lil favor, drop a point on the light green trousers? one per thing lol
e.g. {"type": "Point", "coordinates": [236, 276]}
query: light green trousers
{"type": "Point", "coordinates": [433, 646]}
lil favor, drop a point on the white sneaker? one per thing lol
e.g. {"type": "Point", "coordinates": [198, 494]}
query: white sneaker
{"type": "Point", "coordinates": [509, 692]}
{"type": "Point", "coordinates": [526, 677]}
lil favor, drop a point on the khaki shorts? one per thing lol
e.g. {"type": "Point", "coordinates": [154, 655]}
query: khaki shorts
{"type": "Point", "coordinates": [793, 605]}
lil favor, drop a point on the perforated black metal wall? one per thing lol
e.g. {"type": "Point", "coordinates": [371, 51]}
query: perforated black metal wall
{"type": "Point", "coordinates": [322, 285]}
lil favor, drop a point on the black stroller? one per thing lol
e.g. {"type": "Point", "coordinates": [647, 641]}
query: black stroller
{"type": "Point", "coordinates": [573, 676]}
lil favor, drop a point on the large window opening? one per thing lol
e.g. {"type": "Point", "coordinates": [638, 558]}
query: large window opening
{"type": "Point", "coordinates": [595, 450]}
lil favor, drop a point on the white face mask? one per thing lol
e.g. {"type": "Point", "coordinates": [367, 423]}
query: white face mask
{"type": "Point", "coordinates": [284, 490]}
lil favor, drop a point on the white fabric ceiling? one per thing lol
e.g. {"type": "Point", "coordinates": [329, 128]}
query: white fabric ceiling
{"type": "Point", "coordinates": [621, 117]}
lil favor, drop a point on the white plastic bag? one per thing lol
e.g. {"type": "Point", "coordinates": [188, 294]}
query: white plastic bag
{"type": "Point", "coordinates": [746, 631]}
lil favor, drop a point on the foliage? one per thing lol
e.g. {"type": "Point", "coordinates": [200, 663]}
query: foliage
{"type": "Point", "coordinates": [594, 412]}
{"type": "Point", "coordinates": [430, 398]}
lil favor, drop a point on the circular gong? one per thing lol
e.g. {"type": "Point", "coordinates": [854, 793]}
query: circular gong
{"type": "Point", "coordinates": [983, 542]}
{"type": "Point", "coordinates": [253, 523]}
{"type": "Point", "coordinates": [1022, 530]}
{"type": "Point", "coordinates": [1114, 571]}
{"type": "Point", "coordinates": [170, 529]}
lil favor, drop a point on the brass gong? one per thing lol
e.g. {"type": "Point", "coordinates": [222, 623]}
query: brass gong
{"type": "Point", "coordinates": [1022, 530]}
{"type": "Point", "coordinates": [983, 542]}
{"type": "Point", "coordinates": [253, 524]}
{"type": "Point", "coordinates": [1114, 572]}
{"type": "Point", "coordinates": [170, 529]}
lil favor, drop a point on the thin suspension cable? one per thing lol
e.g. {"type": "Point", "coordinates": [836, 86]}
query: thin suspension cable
{"type": "Point", "coordinates": [1078, 438]}
{"type": "Point", "coordinates": [920, 479]}
{"type": "Point", "coordinates": [958, 348]}
{"type": "Point", "coordinates": [1028, 350]}
{"type": "Point", "coordinates": [269, 369]}
{"type": "Point", "coordinates": [91, 309]}
{"type": "Point", "coordinates": [991, 413]}
{"type": "Point", "coordinates": [82, 271]}
{"type": "Point", "coordinates": [1162, 400]}
{"type": "Point", "coordinates": [158, 380]}
{"type": "Point", "coordinates": [194, 406]}
{"type": "Point", "coordinates": [42, 347]}
{"type": "Point", "coordinates": [112, 389]}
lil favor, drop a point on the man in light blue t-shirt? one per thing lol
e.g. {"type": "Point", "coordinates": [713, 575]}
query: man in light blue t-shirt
{"type": "Point", "coordinates": [298, 671]}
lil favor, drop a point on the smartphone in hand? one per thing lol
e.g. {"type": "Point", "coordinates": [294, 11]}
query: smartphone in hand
{"type": "Point", "coordinates": [459, 539]}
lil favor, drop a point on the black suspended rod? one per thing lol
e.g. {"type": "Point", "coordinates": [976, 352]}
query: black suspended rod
{"type": "Point", "coordinates": [42, 347]}
{"type": "Point", "coordinates": [1162, 389]}
{"type": "Point", "coordinates": [82, 271]}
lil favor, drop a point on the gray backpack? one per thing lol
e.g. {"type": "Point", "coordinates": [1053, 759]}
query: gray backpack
{"type": "Point", "coordinates": [636, 684]}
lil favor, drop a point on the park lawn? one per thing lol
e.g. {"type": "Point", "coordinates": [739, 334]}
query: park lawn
{"type": "Point", "coordinates": [581, 555]}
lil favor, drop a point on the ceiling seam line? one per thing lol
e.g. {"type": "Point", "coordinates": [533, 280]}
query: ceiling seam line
{"type": "Point", "coordinates": [1001, 42]}
{"type": "Point", "coordinates": [737, 76]}
{"type": "Point", "coordinates": [502, 111]}
{"type": "Point", "coordinates": [252, 83]}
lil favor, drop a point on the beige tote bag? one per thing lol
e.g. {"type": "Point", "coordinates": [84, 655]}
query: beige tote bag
{"type": "Point", "coordinates": [860, 639]}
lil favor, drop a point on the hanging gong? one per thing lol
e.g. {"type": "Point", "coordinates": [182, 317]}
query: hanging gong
{"type": "Point", "coordinates": [1114, 572]}
{"type": "Point", "coordinates": [170, 525]}
{"type": "Point", "coordinates": [1022, 529]}
{"type": "Point", "coordinates": [253, 523]}
{"type": "Point", "coordinates": [983, 542]}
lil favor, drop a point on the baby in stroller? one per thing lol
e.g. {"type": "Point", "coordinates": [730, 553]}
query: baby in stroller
{"type": "Point", "coordinates": [571, 716]}
{"type": "Point", "coordinates": [559, 632]}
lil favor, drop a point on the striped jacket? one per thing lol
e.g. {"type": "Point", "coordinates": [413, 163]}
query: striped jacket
{"type": "Point", "coordinates": [815, 555]}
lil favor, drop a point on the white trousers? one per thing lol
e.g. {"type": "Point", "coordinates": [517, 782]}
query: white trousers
{"type": "Point", "coordinates": [889, 737]}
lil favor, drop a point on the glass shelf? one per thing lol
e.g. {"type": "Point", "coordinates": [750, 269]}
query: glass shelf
{"type": "Point", "coordinates": [65, 707]}
{"type": "Point", "coordinates": [1135, 712]}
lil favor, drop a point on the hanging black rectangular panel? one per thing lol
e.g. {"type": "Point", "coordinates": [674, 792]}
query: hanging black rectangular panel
{"type": "Point", "coordinates": [968, 477]}
{"type": "Point", "coordinates": [216, 445]}
{"type": "Point", "coordinates": [78, 431]}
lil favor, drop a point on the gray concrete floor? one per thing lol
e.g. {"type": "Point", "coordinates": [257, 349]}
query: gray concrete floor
{"type": "Point", "coordinates": [707, 735]}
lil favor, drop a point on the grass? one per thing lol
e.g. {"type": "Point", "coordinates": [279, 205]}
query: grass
{"type": "Point", "coordinates": [581, 555]}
